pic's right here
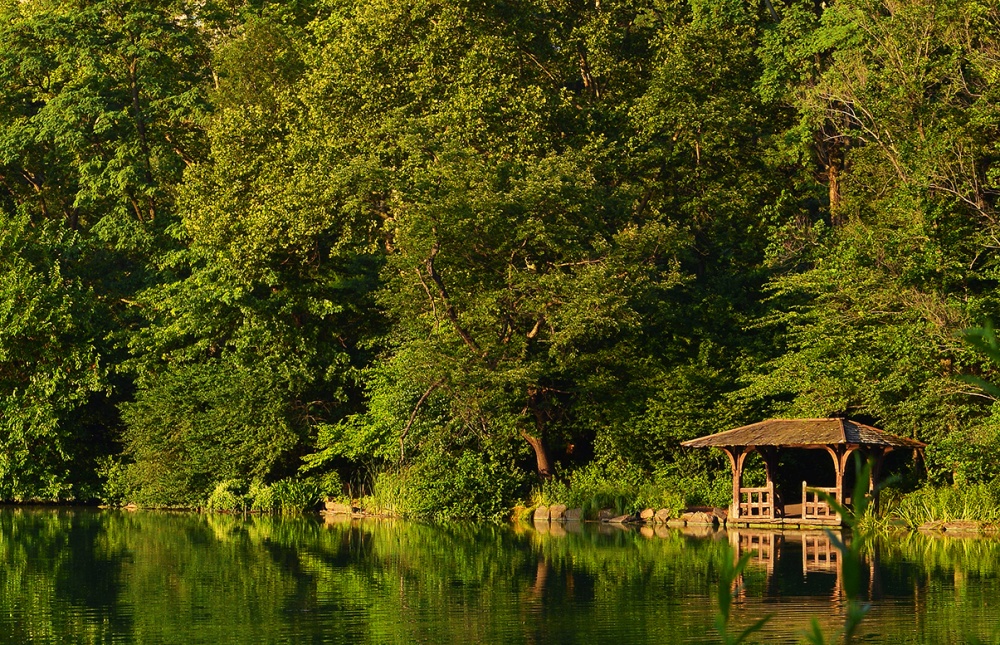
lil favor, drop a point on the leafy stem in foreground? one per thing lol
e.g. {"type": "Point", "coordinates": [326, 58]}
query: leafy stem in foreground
{"type": "Point", "coordinates": [850, 555]}
{"type": "Point", "coordinates": [729, 573]}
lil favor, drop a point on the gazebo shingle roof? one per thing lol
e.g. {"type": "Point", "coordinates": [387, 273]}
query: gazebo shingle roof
{"type": "Point", "coordinates": [804, 432]}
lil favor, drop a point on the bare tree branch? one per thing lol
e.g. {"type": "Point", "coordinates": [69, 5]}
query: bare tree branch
{"type": "Point", "coordinates": [413, 415]}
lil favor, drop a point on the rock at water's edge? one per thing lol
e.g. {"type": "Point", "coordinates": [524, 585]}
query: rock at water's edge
{"type": "Point", "coordinates": [962, 526]}
{"type": "Point", "coordinates": [700, 518]}
{"type": "Point", "coordinates": [338, 508]}
{"type": "Point", "coordinates": [622, 519]}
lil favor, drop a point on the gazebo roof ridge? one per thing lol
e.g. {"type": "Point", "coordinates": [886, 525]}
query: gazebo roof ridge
{"type": "Point", "coordinates": [804, 432]}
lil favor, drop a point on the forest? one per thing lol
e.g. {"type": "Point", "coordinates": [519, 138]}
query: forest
{"type": "Point", "coordinates": [451, 254]}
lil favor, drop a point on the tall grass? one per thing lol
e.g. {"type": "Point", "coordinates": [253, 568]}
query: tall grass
{"type": "Point", "coordinates": [287, 496]}
{"type": "Point", "coordinates": [391, 492]}
{"type": "Point", "coordinates": [980, 502]}
{"type": "Point", "coordinates": [623, 490]}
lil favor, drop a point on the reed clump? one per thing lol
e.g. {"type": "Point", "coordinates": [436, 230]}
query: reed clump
{"type": "Point", "coordinates": [977, 502]}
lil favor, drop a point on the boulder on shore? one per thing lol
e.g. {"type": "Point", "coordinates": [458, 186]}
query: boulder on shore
{"type": "Point", "coordinates": [622, 519]}
{"type": "Point", "coordinates": [542, 514]}
{"type": "Point", "coordinates": [647, 515]}
{"type": "Point", "coordinates": [557, 512]}
{"type": "Point", "coordinates": [700, 517]}
{"type": "Point", "coordinates": [573, 515]}
{"type": "Point", "coordinates": [338, 508]}
{"type": "Point", "coordinates": [963, 526]}
{"type": "Point", "coordinates": [967, 527]}
{"type": "Point", "coordinates": [606, 514]}
{"type": "Point", "coordinates": [662, 516]}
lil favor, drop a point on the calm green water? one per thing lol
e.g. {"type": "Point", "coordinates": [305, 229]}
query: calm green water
{"type": "Point", "coordinates": [80, 576]}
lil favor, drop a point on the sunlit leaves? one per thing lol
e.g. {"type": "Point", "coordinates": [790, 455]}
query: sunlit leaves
{"type": "Point", "coordinates": [49, 364]}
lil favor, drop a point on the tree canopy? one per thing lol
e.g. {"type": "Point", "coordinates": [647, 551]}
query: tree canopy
{"type": "Point", "coordinates": [474, 244]}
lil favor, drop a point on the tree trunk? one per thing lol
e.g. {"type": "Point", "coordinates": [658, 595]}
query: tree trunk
{"type": "Point", "coordinates": [541, 456]}
{"type": "Point", "coordinates": [833, 176]}
{"type": "Point", "coordinates": [830, 149]}
{"type": "Point", "coordinates": [536, 441]}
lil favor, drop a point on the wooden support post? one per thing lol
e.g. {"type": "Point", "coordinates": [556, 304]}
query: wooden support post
{"type": "Point", "coordinates": [734, 508]}
{"type": "Point", "coordinates": [836, 452]}
{"type": "Point", "coordinates": [770, 456]}
{"type": "Point", "coordinates": [845, 454]}
{"type": "Point", "coordinates": [878, 455]}
{"type": "Point", "coordinates": [840, 454]}
{"type": "Point", "coordinates": [737, 455]}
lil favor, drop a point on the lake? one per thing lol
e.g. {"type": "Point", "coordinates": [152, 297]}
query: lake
{"type": "Point", "coordinates": [89, 576]}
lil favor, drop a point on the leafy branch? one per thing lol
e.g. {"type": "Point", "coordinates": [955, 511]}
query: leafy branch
{"type": "Point", "coordinates": [729, 575]}
{"type": "Point", "coordinates": [984, 340]}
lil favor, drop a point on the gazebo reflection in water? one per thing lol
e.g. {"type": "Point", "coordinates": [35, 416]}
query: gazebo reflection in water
{"type": "Point", "coordinates": [839, 438]}
{"type": "Point", "coordinates": [779, 555]}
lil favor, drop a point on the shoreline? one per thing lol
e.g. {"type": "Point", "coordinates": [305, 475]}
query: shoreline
{"type": "Point", "coordinates": [694, 521]}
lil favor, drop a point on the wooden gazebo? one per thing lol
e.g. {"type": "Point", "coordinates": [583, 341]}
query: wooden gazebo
{"type": "Point", "coordinates": [838, 437]}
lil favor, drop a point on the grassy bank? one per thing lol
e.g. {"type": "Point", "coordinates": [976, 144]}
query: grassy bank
{"type": "Point", "coordinates": [978, 502]}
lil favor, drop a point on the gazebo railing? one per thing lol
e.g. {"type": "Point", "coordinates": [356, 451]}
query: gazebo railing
{"type": "Point", "coordinates": [757, 503]}
{"type": "Point", "coordinates": [813, 506]}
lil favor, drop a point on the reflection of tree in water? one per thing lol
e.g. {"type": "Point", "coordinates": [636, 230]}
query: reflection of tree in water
{"type": "Point", "coordinates": [89, 573]}
{"type": "Point", "coordinates": [558, 589]}
{"type": "Point", "coordinates": [60, 575]}
{"type": "Point", "coordinates": [157, 577]}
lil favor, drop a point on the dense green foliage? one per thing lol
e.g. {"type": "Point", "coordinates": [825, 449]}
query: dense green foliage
{"type": "Point", "coordinates": [443, 248]}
